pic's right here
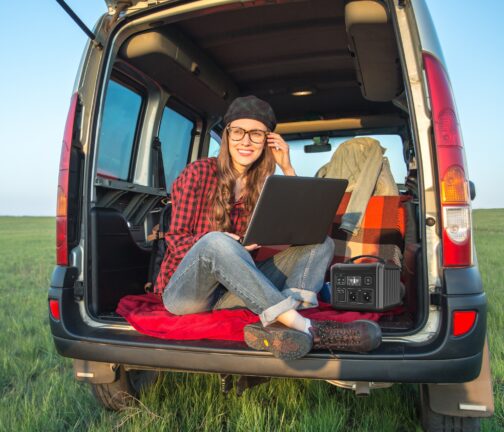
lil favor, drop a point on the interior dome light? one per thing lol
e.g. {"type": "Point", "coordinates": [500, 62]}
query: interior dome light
{"type": "Point", "coordinates": [302, 93]}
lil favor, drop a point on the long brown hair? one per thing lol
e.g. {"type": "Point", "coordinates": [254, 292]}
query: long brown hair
{"type": "Point", "coordinates": [222, 200]}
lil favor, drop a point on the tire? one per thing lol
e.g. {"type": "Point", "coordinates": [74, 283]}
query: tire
{"type": "Point", "coordinates": [434, 422]}
{"type": "Point", "coordinates": [125, 390]}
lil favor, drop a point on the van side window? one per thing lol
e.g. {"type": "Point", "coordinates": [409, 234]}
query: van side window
{"type": "Point", "coordinates": [120, 119]}
{"type": "Point", "coordinates": [175, 134]}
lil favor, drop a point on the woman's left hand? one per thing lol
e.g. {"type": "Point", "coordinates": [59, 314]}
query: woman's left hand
{"type": "Point", "coordinates": [236, 237]}
{"type": "Point", "coordinates": [280, 151]}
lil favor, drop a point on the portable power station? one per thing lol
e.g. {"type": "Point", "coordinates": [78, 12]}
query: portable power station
{"type": "Point", "coordinates": [372, 286]}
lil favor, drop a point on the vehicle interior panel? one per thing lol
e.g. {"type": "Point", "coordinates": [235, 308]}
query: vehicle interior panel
{"type": "Point", "coordinates": [261, 51]}
{"type": "Point", "coordinates": [123, 263]}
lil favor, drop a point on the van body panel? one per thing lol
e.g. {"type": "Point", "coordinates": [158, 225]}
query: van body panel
{"type": "Point", "coordinates": [426, 30]}
{"type": "Point", "coordinates": [421, 128]}
{"type": "Point", "coordinates": [129, 6]}
{"type": "Point", "coordinates": [463, 281]}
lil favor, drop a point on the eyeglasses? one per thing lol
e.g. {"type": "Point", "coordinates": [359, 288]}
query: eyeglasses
{"type": "Point", "coordinates": [257, 136]}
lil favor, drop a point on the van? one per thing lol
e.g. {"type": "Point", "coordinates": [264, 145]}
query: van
{"type": "Point", "coordinates": [154, 82]}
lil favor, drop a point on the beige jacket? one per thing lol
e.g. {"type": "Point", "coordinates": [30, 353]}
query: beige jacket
{"type": "Point", "coordinates": [361, 162]}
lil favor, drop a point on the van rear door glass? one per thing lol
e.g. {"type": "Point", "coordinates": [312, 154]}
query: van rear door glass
{"type": "Point", "coordinates": [215, 142]}
{"type": "Point", "coordinates": [120, 119]}
{"type": "Point", "coordinates": [175, 134]}
{"type": "Point", "coordinates": [307, 164]}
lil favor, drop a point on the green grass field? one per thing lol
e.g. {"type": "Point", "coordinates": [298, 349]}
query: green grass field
{"type": "Point", "coordinates": [38, 392]}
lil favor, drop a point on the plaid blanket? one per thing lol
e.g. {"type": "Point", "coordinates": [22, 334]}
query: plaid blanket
{"type": "Point", "coordinates": [381, 233]}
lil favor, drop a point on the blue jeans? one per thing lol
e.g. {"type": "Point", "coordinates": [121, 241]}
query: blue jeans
{"type": "Point", "coordinates": [218, 272]}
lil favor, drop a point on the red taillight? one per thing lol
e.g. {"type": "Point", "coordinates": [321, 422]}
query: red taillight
{"type": "Point", "coordinates": [463, 322]}
{"type": "Point", "coordinates": [451, 168]}
{"type": "Point", "coordinates": [62, 200]}
{"type": "Point", "coordinates": [54, 309]}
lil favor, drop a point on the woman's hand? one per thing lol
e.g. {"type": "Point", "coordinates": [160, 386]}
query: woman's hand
{"type": "Point", "coordinates": [280, 150]}
{"type": "Point", "coordinates": [237, 238]}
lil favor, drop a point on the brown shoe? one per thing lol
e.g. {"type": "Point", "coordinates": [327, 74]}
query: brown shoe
{"type": "Point", "coordinates": [283, 342]}
{"type": "Point", "coordinates": [356, 336]}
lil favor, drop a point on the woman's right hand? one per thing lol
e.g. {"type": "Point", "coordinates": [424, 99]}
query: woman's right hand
{"type": "Point", "coordinates": [237, 238]}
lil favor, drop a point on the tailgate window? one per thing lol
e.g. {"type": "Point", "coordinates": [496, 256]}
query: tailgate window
{"type": "Point", "coordinates": [120, 120]}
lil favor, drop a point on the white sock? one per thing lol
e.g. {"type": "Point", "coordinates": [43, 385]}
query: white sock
{"type": "Point", "coordinates": [293, 319]}
{"type": "Point", "coordinates": [307, 326]}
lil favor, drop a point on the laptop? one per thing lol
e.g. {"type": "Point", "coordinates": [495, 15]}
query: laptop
{"type": "Point", "coordinates": [294, 210]}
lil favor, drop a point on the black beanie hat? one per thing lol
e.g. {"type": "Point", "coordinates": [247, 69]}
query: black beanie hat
{"type": "Point", "coordinates": [251, 107]}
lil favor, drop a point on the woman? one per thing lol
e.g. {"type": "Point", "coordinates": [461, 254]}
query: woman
{"type": "Point", "coordinates": [206, 268]}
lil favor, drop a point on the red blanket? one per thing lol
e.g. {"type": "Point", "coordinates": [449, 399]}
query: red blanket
{"type": "Point", "coordinates": [147, 315]}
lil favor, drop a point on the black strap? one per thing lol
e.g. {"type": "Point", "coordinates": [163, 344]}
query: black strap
{"type": "Point", "coordinates": [157, 163]}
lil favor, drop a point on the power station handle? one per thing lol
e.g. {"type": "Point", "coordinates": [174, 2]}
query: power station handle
{"type": "Point", "coordinates": [377, 258]}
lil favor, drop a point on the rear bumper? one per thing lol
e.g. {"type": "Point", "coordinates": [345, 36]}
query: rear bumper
{"type": "Point", "coordinates": [445, 359]}
{"type": "Point", "coordinates": [258, 363]}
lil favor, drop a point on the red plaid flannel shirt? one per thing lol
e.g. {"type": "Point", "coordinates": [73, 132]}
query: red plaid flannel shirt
{"type": "Point", "coordinates": [190, 218]}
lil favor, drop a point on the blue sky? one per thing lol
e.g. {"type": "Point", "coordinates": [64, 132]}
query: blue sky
{"type": "Point", "coordinates": [41, 49]}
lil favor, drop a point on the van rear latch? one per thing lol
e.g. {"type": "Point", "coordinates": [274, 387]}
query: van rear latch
{"type": "Point", "coordinates": [78, 290]}
{"type": "Point", "coordinates": [435, 299]}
